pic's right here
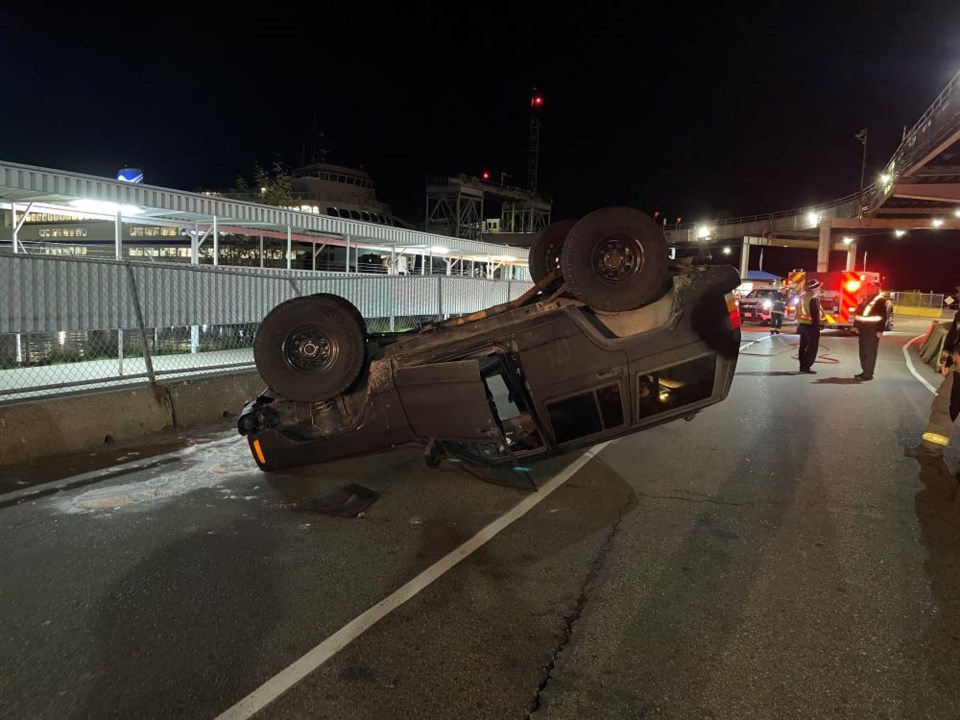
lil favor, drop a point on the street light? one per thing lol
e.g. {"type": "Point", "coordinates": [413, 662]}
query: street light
{"type": "Point", "coordinates": [862, 137]}
{"type": "Point", "coordinates": [847, 240]}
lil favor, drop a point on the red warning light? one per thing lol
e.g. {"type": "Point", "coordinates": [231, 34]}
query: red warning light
{"type": "Point", "coordinates": [853, 285]}
{"type": "Point", "coordinates": [485, 175]}
{"type": "Point", "coordinates": [536, 100]}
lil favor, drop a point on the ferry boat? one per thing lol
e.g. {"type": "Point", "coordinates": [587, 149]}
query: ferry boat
{"type": "Point", "coordinates": [341, 191]}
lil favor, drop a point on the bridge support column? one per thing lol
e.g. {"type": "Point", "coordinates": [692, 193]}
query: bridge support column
{"type": "Point", "coordinates": [851, 257]}
{"type": "Point", "coordinates": [823, 251]}
{"type": "Point", "coordinates": [744, 258]}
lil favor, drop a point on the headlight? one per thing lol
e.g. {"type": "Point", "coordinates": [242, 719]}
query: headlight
{"type": "Point", "coordinates": [795, 301]}
{"type": "Point", "coordinates": [767, 304]}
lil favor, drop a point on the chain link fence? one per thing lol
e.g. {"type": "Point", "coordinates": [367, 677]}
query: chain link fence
{"type": "Point", "coordinates": [916, 299]}
{"type": "Point", "coordinates": [69, 324]}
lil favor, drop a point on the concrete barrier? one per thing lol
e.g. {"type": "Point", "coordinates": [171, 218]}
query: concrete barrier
{"type": "Point", "coordinates": [52, 426]}
{"type": "Point", "coordinates": [917, 311]}
{"type": "Point", "coordinates": [932, 343]}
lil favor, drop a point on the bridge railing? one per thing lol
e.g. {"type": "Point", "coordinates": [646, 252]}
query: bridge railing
{"type": "Point", "coordinates": [937, 123]}
{"type": "Point", "coordinates": [77, 323]}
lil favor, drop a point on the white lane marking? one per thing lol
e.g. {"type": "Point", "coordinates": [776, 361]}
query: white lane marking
{"type": "Point", "coordinates": [290, 676]}
{"type": "Point", "coordinates": [754, 342]}
{"type": "Point", "coordinates": [913, 370]}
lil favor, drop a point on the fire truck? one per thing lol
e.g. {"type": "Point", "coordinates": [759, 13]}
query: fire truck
{"type": "Point", "coordinates": [840, 293]}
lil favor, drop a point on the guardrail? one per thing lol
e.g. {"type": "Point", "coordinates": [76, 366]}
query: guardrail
{"type": "Point", "coordinates": [78, 323]}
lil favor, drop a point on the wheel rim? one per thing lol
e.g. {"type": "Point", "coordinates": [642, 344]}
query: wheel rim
{"type": "Point", "coordinates": [617, 257]}
{"type": "Point", "coordinates": [309, 350]}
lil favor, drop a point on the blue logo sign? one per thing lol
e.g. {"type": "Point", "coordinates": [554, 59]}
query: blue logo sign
{"type": "Point", "coordinates": [132, 175]}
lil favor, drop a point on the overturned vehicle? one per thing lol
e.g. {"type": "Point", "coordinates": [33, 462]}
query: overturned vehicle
{"type": "Point", "coordinates": [611, 340]}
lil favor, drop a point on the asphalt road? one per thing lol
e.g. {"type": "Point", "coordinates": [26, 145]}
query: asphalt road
{"type": "Point", "coordinates": [777, 557]}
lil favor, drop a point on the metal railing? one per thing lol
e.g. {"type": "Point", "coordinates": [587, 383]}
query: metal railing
{"type": "Point", "coordinates": [84, 323]}
{"type": "Point", "coordinates": [939, 121]}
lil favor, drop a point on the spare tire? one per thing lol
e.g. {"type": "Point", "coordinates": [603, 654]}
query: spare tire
{"type": "Point", "coordinates": [310, 348]}
{"type": "Point", "coordinates": [545, 252]}
{"type": "Point", "coordinates": [615, 259]}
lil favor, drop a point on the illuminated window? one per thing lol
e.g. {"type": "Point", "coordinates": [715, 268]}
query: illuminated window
{"type": "Point", "coordinates": [673, 387]}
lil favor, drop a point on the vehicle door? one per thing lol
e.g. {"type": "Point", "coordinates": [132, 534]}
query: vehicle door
{"type": "Point", "coordinates": [448, 401]}
{"type": "Point", "coordinates": [480, 400]}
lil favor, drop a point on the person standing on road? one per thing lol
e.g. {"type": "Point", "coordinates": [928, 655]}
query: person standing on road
{"type": "Point", "coordinates": [779, 300]}
{"type": "Point", "coordinates": [870, 321]}
{"type": "Point", "coordinates": [946, 405]}
{"type": "Point", "coordinates": [809, 320]}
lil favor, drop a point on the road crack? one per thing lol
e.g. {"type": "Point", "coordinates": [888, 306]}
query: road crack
{"type": "Point", "coordinates": [571, 620]}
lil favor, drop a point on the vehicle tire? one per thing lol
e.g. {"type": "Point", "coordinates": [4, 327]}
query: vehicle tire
{"type": "Point", "coordinates": [349, 306]}
{"type": "Point", "coordinates": [545, 253]}
{"type": "Point", "coordinates": [615, 259]}
{"type": "Point", "coordinates": [310, 348]}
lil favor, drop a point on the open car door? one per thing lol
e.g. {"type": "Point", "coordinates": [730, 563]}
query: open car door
{"type": "Point", "coordinates": [461, 405]}
{"type": "Point", "coordinates": [448, 401]}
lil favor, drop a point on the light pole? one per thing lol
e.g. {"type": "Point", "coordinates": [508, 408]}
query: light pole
{"type": "Point", "coordinates": [862, 137]}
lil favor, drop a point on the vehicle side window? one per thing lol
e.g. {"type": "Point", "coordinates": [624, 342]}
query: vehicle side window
{"type": "Point", "coordinates": [587, 413]}
{"type": "Point", "coordinates": [676, 386]}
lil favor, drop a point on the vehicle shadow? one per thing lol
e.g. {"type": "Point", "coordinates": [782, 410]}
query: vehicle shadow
{"type": "Point", "coordinates": [204, 601]}
{"type": "Point", "coordinates": [771, 373]}
{"type": "Point", "coordinates": [938, 510]}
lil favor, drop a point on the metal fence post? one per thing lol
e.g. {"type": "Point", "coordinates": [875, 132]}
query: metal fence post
{"type": "Point", "coordinates": [135, 296]}
{"type": "Point", "coordinates": [120, 351]}
{"type": "Point", "coordinates": [439, 298]}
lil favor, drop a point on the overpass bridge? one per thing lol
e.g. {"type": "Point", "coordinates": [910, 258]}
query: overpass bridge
{"type": "Point", "coordinates": [919, 189]}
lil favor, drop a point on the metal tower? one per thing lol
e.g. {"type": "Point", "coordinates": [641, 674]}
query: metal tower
{"type": "Point", "coordinates": [536, 102]}
{"type": "Point", "coordinates": [454, 207]}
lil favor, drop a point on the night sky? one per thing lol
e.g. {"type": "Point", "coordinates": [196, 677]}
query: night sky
{"type": "Point", "coordinates": [696, 111]}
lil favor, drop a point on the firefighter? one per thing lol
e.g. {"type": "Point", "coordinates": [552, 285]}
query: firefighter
{"type": "Point", "coordinates": [870, 321]}
{"type": "Point", "coordinates": [810, 319]}
{"type": "Point", "coordinates": [779, 298]}
{"type": "Point", "coordinates": [946, 405]}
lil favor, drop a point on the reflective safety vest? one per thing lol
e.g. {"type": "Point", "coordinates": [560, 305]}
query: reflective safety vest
{"type": "Point", "coordinates": [803, 312]}
{"type": "Point", "coordinates": [867, 316]}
